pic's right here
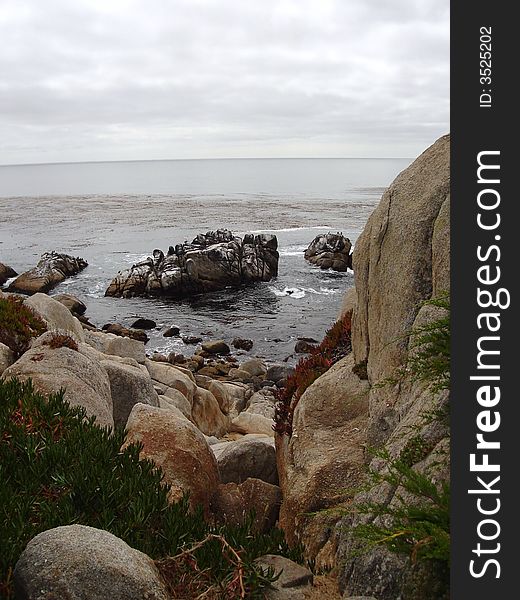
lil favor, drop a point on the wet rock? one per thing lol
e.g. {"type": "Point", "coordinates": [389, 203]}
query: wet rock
{"type": "Point", "coordinates": [330, 251]}
{"type": "Point", "coordinates": [143, 323]}
{"type": "Point", "coordinates": [212, 261]}
{"type": "Point", "coordinates": [242, 344]}
{"type": "Point", "coordinates": [304, 347]}
{"type": "Point", "coordinates": [52, 268]}
{"type": "Point", "coordinates": [117, 329]}
{"type": "Point", "coordinates": [255, 367]}
{"type": "Point", "coordinates": [216, 347]}
{"type": "Point", "coordinates": [191, 339]}
{"type": "Point", "coordinates": [172, 331]}
{"type": "Point", "coordinates": [6, 273]}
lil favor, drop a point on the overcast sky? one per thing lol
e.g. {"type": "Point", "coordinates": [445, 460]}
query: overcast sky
{"type": "Point", "coordinates": [145, 79]}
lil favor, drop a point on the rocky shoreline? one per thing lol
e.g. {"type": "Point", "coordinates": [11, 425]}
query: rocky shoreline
{"type": "Point", "coordinates": [208, 420]}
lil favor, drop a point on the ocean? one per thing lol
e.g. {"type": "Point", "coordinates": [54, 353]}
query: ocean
{"type": "Point", "coordinates": [114, 214]}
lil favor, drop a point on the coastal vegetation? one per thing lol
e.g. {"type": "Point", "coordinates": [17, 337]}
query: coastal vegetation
{"type": "Point", "coordinates": [58, 467]}
{"type": "Point", "coordinates": [335, 345]}
{"type": "Point", "coordinates": [18, 324]}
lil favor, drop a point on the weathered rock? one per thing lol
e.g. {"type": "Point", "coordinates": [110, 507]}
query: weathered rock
{"type": "Point", "coordinates": [262, 403]}
{"type": "Point", "coordinates": [52, 268]}
{"type": "Point", "coordinates": [128, 386]}
{"type": "Point", "coordinates": [220, 391]}
{"type": "Point", "coordinates": [323, 461]}
{"type": "Point", "coordinates": [211, 262]}
{"type": "Point", "coordinates": [251, 423]}
{"type": "Point", "coordinates": [233, 503]}
{"type": "Point", "coordinates": [142, 323]}
{"type": "Point", "coordinates": [78, 562]}
{"type": "Point", "coordinates": [216, 347]}
{"type": "Point", "coordinates": [85, 382]}
{"type": "Point", "coordinates": [126, 348]}
{"type": "Point", "coordinates": [206, 414]}
{"type": "Point", "coordinates": [173, 377]}
{"type": "Point", "coordinates": [349, 303]}
{"type": "Point", "coordinates": [55, 315]}
{"type": "Point", "coordinates": [291, 574]}
{"type": "Point", "coordinates": [330, 251]}
{"type": "Point", "coordinates": [191, 339]}
{"type": "Point", "coordinates": [247, 458]}
{"type": "Point", "coordinates": [304, 347]}
{"type": "Point", "coordinates": [276, 373]}
{"type": "Point", "coordinates": [179, 448]}
{"type": "Point", "coordinates": [255, 367]}
{"type": "Point", "coordinates": [401, 259]}
{"type": "Point", "coordinates": [239, 374]}
{"type": "Point", "coordinates": [177, 399]}
{"type": "Point", "coordinates": [238, 394]}
{"type": "Point", "coordinates": [7, 357]}
{"type": "Point", "coordinates": [173, 331]}
{"type": "Point", "coordinates": [75, 305]}
{"type": "Point", "coordinates": [242, 344]}
{"type": "Point", "coordinates": [166, 403]}
{"type": "Point", "coordinates": [117, 329]}
{"type": "Point", "coordinates": [6, 273]}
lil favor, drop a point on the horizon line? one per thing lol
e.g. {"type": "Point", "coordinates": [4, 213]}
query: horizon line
{"type": "Point", "coordinates": [134, 160]}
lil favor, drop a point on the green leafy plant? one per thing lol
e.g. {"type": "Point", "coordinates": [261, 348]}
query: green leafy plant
{"type": "Point", "coordinates": [18, 324]}
{"type": "Point", "coordinates": [57, 467]}
{"type": "Point", "coordinates": [429, 359]}
{"type": "Point", "coordinates": [335, 345]}
{"type": "Point", "coordinates": [418, 528]}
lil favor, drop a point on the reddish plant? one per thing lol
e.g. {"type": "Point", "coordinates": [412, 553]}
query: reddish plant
{"type": "Point", "coordinates": [335, 345]}
{"type": "Point", "coordinates": [18, 324]}
{"type": "Point", "coordinates": [59, 340]}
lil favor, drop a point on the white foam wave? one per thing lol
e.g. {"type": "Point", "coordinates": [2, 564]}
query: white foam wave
{"type": "Point", "coordinates": [298, 293]}
{"type": "Point", "coordinates": [290, 229]}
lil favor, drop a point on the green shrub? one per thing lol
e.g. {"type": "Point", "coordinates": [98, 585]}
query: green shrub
{"type": "Point", "coordinates": [419, 528]}
{"type": "Point", "coordinates": [429, 360]}
{"type": "Point", "coordinates": [18, 324]}
{"type": "Point", "coordinates": [57, 467]}
{"type": "Point", "coordinates": [335, 345]}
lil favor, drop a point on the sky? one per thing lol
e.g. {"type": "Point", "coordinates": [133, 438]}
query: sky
{"type": "Point", "coordinates": [88, 80]}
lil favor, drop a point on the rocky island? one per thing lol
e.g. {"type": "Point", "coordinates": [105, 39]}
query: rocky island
{"type": "Point", "coordinates": [212, 261]}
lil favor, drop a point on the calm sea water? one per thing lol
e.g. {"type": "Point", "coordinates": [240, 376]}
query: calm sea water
{"type": "Point", "coordinates": [114, 214]}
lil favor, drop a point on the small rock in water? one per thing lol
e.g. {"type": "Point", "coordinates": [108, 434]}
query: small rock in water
{"type": "Point", "coordinates": [303, 347]}
{"type": "Point", "coordinates": [142, 323]}
{"type": "Point", "coordinates": [191, 339]}
{"type": "Point", "coordinates": [242, 344]}
{"type": "Point", "coordinates": [117, 329]}
{"type": "Point", "coordinates": [172, 331]}
{"type": "Point", "coordinates": [216, 347]}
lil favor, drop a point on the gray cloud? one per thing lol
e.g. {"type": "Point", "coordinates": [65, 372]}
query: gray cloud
{"type": "Point", "coordinates": [129, 79]}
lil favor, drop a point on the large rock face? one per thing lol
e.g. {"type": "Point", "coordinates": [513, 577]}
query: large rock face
{"type": "Point", "coordinates": [211, 262]}
{"type": "Point", "coordinates": [52, 268]}
{"type": "Point", "coordinates": [330, 251]}
{"type": "Point", "coordinates": [401, 259]}
{"type": "Point", "coordinates": [78, 562]}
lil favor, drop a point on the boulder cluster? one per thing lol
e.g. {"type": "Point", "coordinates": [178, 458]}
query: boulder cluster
{"type": "Point", "coordinates": [207, 422]}
{"type": "Point", "coordinates": [212, 261]}
{"type": "Point", "coordinates": [330, 251]}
